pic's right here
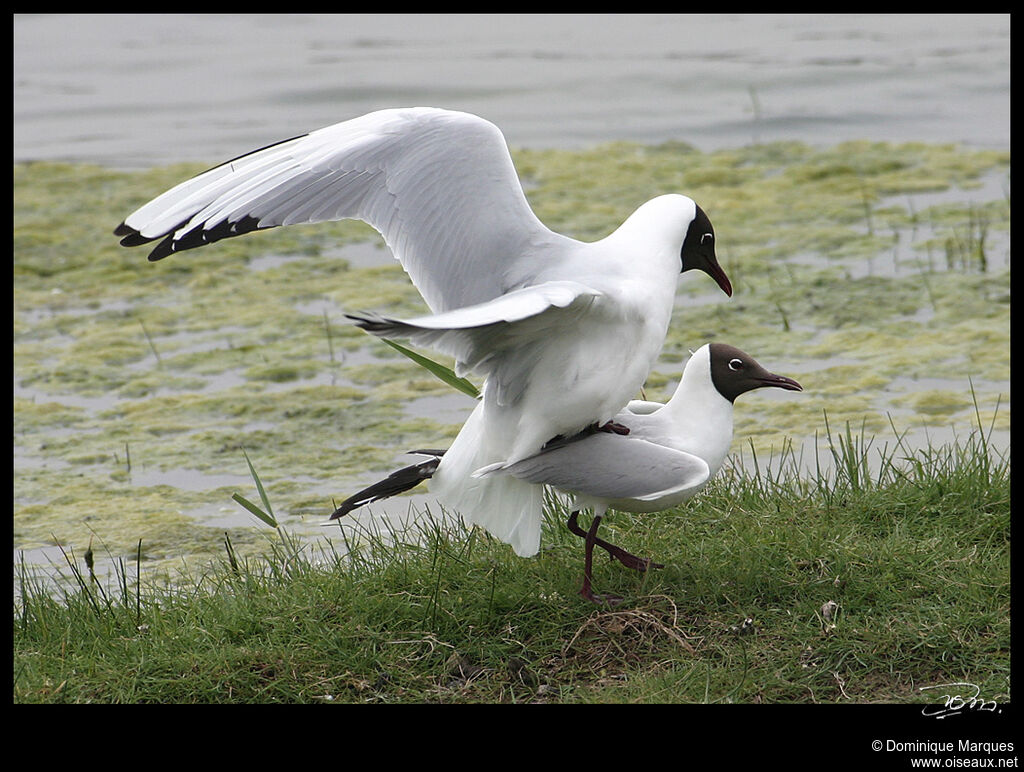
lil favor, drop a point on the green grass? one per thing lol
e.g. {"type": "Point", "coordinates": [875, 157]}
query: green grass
{"type": "Point", "coordinates": [888, 574]}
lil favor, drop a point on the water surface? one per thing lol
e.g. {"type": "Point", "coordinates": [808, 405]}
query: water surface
{"type": "Point", "coordinates": [142, 90]}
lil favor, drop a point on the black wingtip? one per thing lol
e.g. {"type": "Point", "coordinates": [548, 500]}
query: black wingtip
{"type": "Point", "coordinates": [134, 239]}
{"type": "Point", "coordinates": [397, 482]}
{"type": "Point", "coordinates": [371, 322]}
{"type": "Point", "coordinates": [131, 237]}
{"type": "Point", "coordinates": [198, 236]}
{"type": "Point", "coordinates": [347, 506]}
{"type": "Point", "coordinates": [162, 250]}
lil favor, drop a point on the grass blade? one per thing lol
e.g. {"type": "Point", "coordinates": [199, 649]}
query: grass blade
{"type": "Point", "coordinates": [259, 485]}
{"type": "Point", "coordinates": [266, 516]}
{"type": "Point", "coordinates": [268, 519]}
{"type": "Point", "coordinates": [446, 374]}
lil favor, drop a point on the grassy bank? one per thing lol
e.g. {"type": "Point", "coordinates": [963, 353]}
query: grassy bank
{"type": "Point", "coordinates": [856, 586]}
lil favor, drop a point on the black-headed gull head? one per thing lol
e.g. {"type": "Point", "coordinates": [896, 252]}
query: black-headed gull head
{"type": "Point", "coordinates": [699, 250]}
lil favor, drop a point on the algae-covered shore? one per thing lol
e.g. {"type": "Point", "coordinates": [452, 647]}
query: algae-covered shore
{"type": "Point", "coordinates": [877, 274]}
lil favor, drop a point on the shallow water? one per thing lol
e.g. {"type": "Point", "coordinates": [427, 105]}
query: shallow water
{"type": "Point", "coordinates": [138, 91]}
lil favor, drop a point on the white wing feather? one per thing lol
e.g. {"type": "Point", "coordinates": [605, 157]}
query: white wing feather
{"type": "Point", "coordinates": [482, 337]}
{"type": "Point", "coordinates": [439, 185]}
{"type": "Point", "coordinates": [611, 466]}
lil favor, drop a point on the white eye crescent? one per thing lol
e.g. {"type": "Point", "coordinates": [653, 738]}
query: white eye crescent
{"type": "Point", "coordinates": [707, 236]}
{"type": "Point", "coordinates": [736, 365]}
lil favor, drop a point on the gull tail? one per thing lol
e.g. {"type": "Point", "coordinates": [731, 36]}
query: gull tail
{"type": "Point", "coordinates": [397, 482]}
{"type": "Point", "coordinates": [508, 508]}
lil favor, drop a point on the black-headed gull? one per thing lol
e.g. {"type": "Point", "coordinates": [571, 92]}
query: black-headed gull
{"type": "Point", "coordinates": [670, 453]}
{"type": "Point", "coordinates": [563, 331]}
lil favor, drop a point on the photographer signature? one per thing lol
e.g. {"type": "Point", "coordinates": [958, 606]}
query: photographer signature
{"type": "Point", "coordinates": [955, 702]}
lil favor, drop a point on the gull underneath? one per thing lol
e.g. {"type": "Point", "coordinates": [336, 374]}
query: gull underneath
{"type": "Point", "coordinates": [563, 332]}
{"type": "Point", "coordinates": [670, 453]}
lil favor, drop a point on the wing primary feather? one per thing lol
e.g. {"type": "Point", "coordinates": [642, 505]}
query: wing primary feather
{"type": "Point", "coordinates": [439, 185]}
{"type": "Point", "coordinates": [198, 236]}
{"type": "Point", "coordinates": [397, 482]}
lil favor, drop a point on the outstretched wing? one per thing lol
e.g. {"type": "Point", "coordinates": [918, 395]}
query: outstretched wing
{"type": "Point", "coordinates": [439, 185]}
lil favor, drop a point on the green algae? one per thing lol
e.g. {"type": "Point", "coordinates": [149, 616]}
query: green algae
{"type": "Point", "coordinates": [935, 402]}
{"type": "Point", "coordinates": [856, 267]}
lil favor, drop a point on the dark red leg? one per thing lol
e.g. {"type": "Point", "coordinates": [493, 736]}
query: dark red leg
{"type": "Point", "coordinates": [614, 428]}
{"type": "Point", "coordinates": [628, 559]}
{"type": "Point", "coordinates": [588, 564]}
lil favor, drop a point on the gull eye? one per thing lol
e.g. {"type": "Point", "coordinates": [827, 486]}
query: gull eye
{"type": "Point", "coordinates": [736, 365]}
{"type": "Point", "coordinates": [707, 237]}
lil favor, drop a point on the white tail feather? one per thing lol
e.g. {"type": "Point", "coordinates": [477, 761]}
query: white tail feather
{"type": "Point", "coordinates": [509, 509]}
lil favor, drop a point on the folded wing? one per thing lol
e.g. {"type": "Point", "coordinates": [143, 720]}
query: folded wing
{"type": "Point", "coordinates": [610, 466]}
